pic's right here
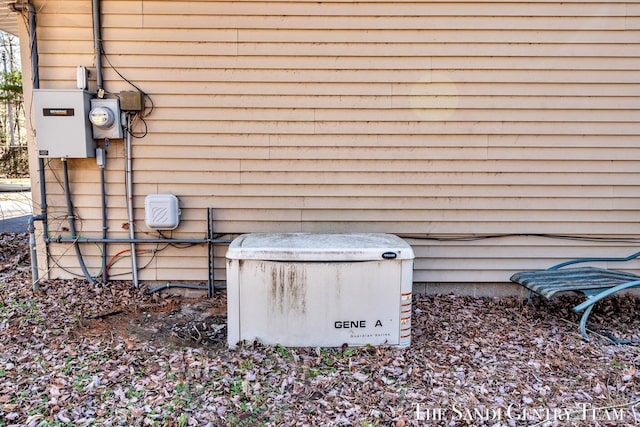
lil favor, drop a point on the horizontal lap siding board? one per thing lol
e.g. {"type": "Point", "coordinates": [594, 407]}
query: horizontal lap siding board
{"type": "Point", "coordinates": [421, 118]}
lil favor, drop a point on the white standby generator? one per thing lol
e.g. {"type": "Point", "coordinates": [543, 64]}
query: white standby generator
{"type": "Point", "coordinates": [319, 290]}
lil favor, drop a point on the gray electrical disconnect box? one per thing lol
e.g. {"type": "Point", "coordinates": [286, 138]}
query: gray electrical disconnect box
{"type": "Point", "coordinates": [62, 123]}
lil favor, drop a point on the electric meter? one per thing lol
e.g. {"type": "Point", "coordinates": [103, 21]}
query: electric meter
{"type": "Point", "coordinates": [105, 118]}
{"type": "Point", "coordinates": [101, 117]}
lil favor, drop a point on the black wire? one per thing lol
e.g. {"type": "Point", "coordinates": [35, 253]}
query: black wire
{"type": "Point", "coordinates": [106, 57]}
{"type": "Point", "coordinates": [146, 128]}
{"type": "Point", "coordinates": [140, 115]}
{"type": "Point", "coordinates": [33, 42]}
{"type": "Point", "coordinates": [472, 238]}
{"type": "Point", "coordinates": [478, 237]}
{"type": "Point", "coordinates": [176, 245]}
{"type": "Point", "coordinates": [55, 261]}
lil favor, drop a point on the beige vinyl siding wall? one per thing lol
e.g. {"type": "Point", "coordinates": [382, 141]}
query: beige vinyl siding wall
{"type": "Point", "coordinates": [420, 118]}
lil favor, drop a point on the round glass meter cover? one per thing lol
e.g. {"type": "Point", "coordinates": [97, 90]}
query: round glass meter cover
{"type": "Point", "coordinates": [101, 117]}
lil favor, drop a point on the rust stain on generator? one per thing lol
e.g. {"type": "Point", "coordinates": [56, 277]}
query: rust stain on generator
{"type": "Point", "coordinates": [288, 287]}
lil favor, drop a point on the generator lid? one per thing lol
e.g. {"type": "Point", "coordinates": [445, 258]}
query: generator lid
{"type": "Point", "coordinates": [319, 247]}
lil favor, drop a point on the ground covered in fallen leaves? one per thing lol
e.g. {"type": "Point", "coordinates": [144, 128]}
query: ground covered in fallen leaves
{"type": "Point", "coordinates": [73, 354]}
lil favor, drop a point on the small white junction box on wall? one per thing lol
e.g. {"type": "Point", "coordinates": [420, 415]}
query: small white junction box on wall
{"type": "Point", "coordinates": [319, 290]}
{"type": "Point", "coordinates": [161, 211]}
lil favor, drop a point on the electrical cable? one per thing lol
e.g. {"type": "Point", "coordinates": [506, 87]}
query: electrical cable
{"type": "Point", "coordinates": [141, 115]}
{"type": "Point", "coordinates": [36, 283]}
{"type": "Point", "coordinates": [120, 255]}
{"type": "Point", "coordinates": [113, 258]}
{"type": "Point", "coordinates": [146, 95]}
{"type": "Point", "coordinates": [146, 128]}
{"type": "Point", "coordinates": [175, 245]}
{"type": "Point", "coordinates": [139, 268]}
{"type": "Point", "coordinates": [176, 285]}
{"type": "Point", "coordinates": [55, 176]}
{"type": "Point", "coordinates": [57, 263]}
{"type": "Point", "coordinates": [471, 238]}
{"type": "Point", "coordinates": [72, 222]}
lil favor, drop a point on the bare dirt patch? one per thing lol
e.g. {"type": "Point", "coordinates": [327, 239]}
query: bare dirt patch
{"type": "Point", "coordinates": [179, 322]}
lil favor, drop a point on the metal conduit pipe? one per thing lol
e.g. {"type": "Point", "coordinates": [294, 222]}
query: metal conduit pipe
{"type": "Point", "coordinates": [138, 241]}
{"type": "Point", "coordinates": [102, 154]}
{"type": "Point", "coordinates": [72, 221]}
{"type": "Point", "coordinates": [35, 78]}
{"type": "Point", "coordinates": [96, 15]}
{"type": "Point", "coordinates": [33, 251]}
{"type": "Point", "coordinates": [33, 42]}
{"type": "Point", "coordinates": [45, 227]}
{"type": "Point", "coordinates": [210, 287]}
{"type": "Point", "coordinates": [43, 202]}
{"type": "Point", "coordinates": [97, 42]}
{"type": "Point", "coordinates": [210, 255]}
{"type": "Point", "coordinates": [129, 195]}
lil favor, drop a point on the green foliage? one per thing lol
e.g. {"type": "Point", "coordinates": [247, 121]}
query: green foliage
{"type": "Point", "coordinates": [11, 87]}
{"type": "Point", "coordinates": [12, 117]}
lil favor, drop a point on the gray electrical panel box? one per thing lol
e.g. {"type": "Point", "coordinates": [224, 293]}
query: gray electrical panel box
{"type": "Point", "coordinates": [62, 123]}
